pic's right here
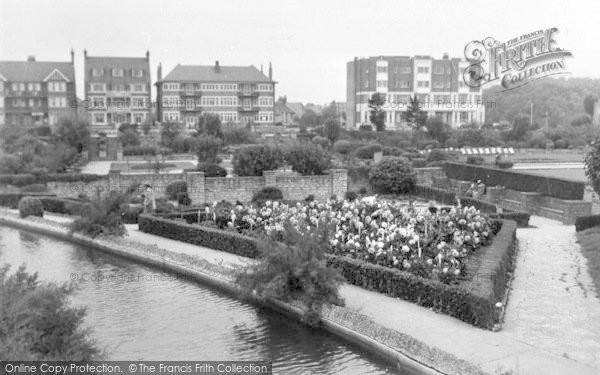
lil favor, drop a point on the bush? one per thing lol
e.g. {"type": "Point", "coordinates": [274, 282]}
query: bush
{"type": "Point", "coordinates": [586, 222]}
{"type": "Point", "coordinates": [367, 152]}
{"type": "Point", "coordinates": [208, 147]}
{"type": "Point", "coordinates": [267, 193]}
{"type": "Point", "coordinates": [229, 242]}
{"type": "Point", "coordinates": [175, 188]}
{"type": "Point", "coordinates": [343, 147]}
{"type": "Point", "coordinates": [102, 216]}
{"type": "Point", "coordinates": [592, 165]}
{"type": "Point", "coordinates": [309, 198]}
{"type": "Point", "coordinates": [475, 160]}
{"type": "Point", "coordinates": [254, 160]}
{"type": "Point", "coordinates": [308, 159]}
{"type": "Point", "coordinates": [438, 155]}
{"type": "Point", "coordinates": [34, 188]}
{"type": "Point", "coordinates": [39, 323]}
{"type": "Point", "coordinates": [211, 170]}
{"type": "Point", "coordinates": [351, 196]}
{"type": "Point", "coordinates": [504, 164]}
{"type": "Point", "coordinates": [419, 162]}
{"type": "Point", "coordinates": [393, 176]}
{"type": "Point", "coordinates": [61, 205]}
{"type": "Point", "coordinates": [554, 187]}
{"type": "Point", "coordinates": [392, 151]}
{"type": "Point", "coordinates": [132, 213]}
{"type": "Point", "coordinates": [30, 206]}
{"type": "Point", "coordinates": [561, 144]}
{"type": "Point", "coordinates": [365, 128]}
{"type": "Point", "coordinates": [183, 199]}
{"type": "Point", "coordinates": [321, 141]}
{"type": "Point", "coordinates": [451, 143]}
{"type": "Point", "coordinates": [238, 136]}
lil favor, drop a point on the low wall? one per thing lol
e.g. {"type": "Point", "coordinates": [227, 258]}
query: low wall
{"type": "Point", "coordinates": [429, 176]}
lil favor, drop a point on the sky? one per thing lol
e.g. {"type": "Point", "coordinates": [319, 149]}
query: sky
{"type": "Point", "coordinates": [308, 42]}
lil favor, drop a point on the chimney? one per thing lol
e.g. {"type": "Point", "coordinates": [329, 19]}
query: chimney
{"type": "Point", "coordinates": [72, 56]}
{"type": "Point", "coordinates": [445, 57]}
{"type": "Point", "coordinates": [217, 67]}
{"type": "Point", "coordinates": [270, 71]}
{"type": "Point", "coordinates": [31, 58]}
{"type": "Point", "coordinates": [147, 55]}
{"type": "Point", "coordinates": [85, 53]}
{"type": "Point", "coordinates": [159, 72]}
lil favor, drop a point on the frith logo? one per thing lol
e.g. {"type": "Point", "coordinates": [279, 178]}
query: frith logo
{"type": "Point", "coordinates": [516, 62]}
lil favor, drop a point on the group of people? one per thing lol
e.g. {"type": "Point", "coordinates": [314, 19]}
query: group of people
{"type": "Point", "coordinates": [476, 190]}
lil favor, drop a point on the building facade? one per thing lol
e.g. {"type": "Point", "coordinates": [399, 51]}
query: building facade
{"type": "Point", "coordinates": [237, 94]}
{"type": "Point", "coordinates": [117, 90]}
{"type": "Point", "coordinates": [34, 93]}
{"type": "Point", "coordinates": [437, 83]}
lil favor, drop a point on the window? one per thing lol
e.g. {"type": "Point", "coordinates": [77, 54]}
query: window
{"type": "Point", "coordinates": [265, 87]}
{"type": "Point", "coordinates": [190, 121]}
{"type": "Point", "coordinates": [171, 116]}
{"type": "Point", "coordinates": [265, 101]}
{"type": "Point", "coordinates": [439, 99]}
{"type": "Point", "coordinates": [402, 84]}
{"type": "Point", "coordinates": [219, 86]}
{"type": "Point", "coordinates": [117, 72]}
{"type": "Point", "coordinates": [137, 72]}
{"type": "Point", "coordinates": [422, 83]}
{"type": "Point", "coordinates": [97, 102]}
{"type": "Point", "coordinates": [118, 87]}
{"type": "Point", "coordinates": [263, 117]}
{"type": "Point", "coordinates": [405, 69]}
{"type": "Point", "coordinates": [57, 86]}
{"type": "Point", "coordinates": [138, 88]}
{"type": "Point", "coordinates": [226, 116]}
{"type": "Point", "coordinates": [57, 102]}
{"type": "Point", "coordinates": [19, 103]}
{"type": "Point", "coordinates": [138, 102]}
{"type": "Point", "coordinates": [366, 84]}
{"type": "Point", "coordinates": [34, 86]}
{"type": "Point", "coordinates": [189, 88]}
{"type": "Point", "coordinates": [382, 69]}
{"type": "Point", "coordinates": [170, 86]}
{"type": "Point", "coordinates": [189, 104]}
{"type": "Point", "coordinates": [447, 84]}
{"type": "Point", "coordinates": [382, 83]}
{"type": "Point", "coordinates": [423, 69]}
{"type": "Point", "coordinates": [138, 118]}
{"type": "Point", "coordinates": [171, 102]}
{"type": "Point", "coordinates": [96, 72]}
{"type": "Point", "coordinates": [221, 101]}
{"type": "Point", "coordinates": [438, 85]}
{"type": "Point", "coordinates": [438, 69]}
{"type": "Point", "coordinates": [463, 98]}
{"type": "Point", "coordinates": [423, 98]}
{"type": "Point", "coordinates": [99, 118]}
{"type": "Point", "coordinates": [97, 87]}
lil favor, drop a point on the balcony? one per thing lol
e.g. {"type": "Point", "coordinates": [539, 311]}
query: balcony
{"type": "Point", "coordinates": [248, 94]}
{"type": "Point", "coordinates": [191, 93]}
{"type": "Point", "coordinates": [25, 94]}
{"type": "Point", "coordinates": [248, 108]}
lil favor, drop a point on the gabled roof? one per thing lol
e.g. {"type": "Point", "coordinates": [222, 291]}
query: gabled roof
{"type": "Point", "coordinates": [107, 63]}
{"type": "Point", "coordinates": [298, 107]}
{"type": "Point", "coordinates": [208, 73]}
{"type": "Point", "coordinates": [34, 71]}
{"type": "Point", "coordinates": [281, 107]}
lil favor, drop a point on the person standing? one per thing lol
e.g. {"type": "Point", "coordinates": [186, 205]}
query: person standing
{"type": "Point", "coordinates": [149, 200]}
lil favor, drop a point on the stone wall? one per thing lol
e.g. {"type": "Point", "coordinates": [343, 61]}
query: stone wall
{"type": "Point", "coordinates": [429, 176]}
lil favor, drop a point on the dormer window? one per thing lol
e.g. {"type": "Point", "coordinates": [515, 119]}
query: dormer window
{"type": "Point", "coordinates": [117, 72]}
{"type": "Point", "coordinates": [97, 72]}
{"type": "Point", "coordinates": [137, 73]}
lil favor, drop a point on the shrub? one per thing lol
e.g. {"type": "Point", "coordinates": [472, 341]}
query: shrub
{"type": "Point", "coordinates": [61, 205]}
{"type": "Point", "coordinates": [392, 151]}
{"type": "Point", "coordinates": [30, 206]}
{"type": "Point", "coordinates": [39, 323]}
{"type": "Point", "coordinates": [238, 136]}
{"type": "Point", "coordinates": [419, 162]}
{"type": "Point", "coordinates": [294, 271]}
{"type": "Point", "coordinates": [174, 188]}
{"type": "Point", "coordinates": [321, 141]}
{"type": "Point", "coordinates": [365, 128]}
{"type": "Point", "coordinates": [309, 198]}
{"type": "Point", "coordinates": [393, 176]}
{"type": "Point", "coordinates": [343, 147]}
{"type": "Point", "coordinates": [131, 214]}
{"type": "Point", "coordinates": [351, 196]}
{"type": "Point", "coordinates": [10, 164]}
{"type": "Point", "coordinates": [183, 199]}
{"type": "Point", "coordinates": [451, 142]}
{"type": "Point", "coordinates": [254, 160]}
{"type": "Point", "coordinates": [267, 193]}
{"type": "Point", "coordinates": [438, 155]}
{"type": "Point", "coordinates": [153, 166]}
{"type": "Point", "coordinates": [592, 165]}
{"type": "Point", "coordinates": [208, 147]}
{"type": "Point", "coordinates": [140, 150]}
{"type": "Point", "coordinates": [308, 159]}
{"type": "Point", "coordinates": [211, 170]}
{"type": "Point", "coordinates": [34, 188]}
{"type": "Point", "coordinates": [367, 152]}
{"type": "Point", "coordinates": [475, 160]}
{"type": "Point", "coordinates": [586, 222]}
{"type": "Point", "coordinates": [102, 216]}
{"type": "Point", "coordinates": [561, 144]}
{"type": "Point", "coordinates": [362, 190]}
{"type": "Point", "coordinates": [554, 187]}
{"type": "Point", "coordinates": [504, 164]}
{"type": "Point", "coordinates": [164, 206]}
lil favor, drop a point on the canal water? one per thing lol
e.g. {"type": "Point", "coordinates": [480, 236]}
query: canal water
{"type": "Point", "coordinates": [140, 313]}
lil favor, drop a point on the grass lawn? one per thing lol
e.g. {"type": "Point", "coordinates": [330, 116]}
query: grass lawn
{"type": "Point", "coordinates": [569, 174]}
{"type": "Point", "coordinates": [589, 240]}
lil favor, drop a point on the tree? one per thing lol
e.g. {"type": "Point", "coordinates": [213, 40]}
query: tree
{"type": "Point", "coordinates": [581, 120]}
{"type": "Point", "coordinates": [210, 124]}
{"type": "Point", "coordinates": [438, 129]}
{"type": "Point", "coordinates": [588, 104]}
{"type": "Point", "coordinates": [310, 118]}
{"type": "Point", "coordinates": [208, 147]}
{"type": "Point", "coordinates": [592, 165]}
{"type": "Point", "coordinates": [168, 133]}
{"type": "Point", "coordinates": [415, 117]}
{"type": "Point", "coordinates": [72, 131]}
{"type": "Point", "coordinates": [377, 114]}
{"type": "Point", "coordinates": [333, 129]}
{"type": "Point", "coordinates": [129, 137]}
{"type": "Point", "coordinates": [520, 127]}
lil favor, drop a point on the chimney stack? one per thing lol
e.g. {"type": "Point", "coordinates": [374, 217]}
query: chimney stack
{"type": "Point", "coordinates": [147, 55]}
{"type": "Point", "coordinates": [159, 72]}
{"type": "Point", "coordinates": [445, 57]}
{"type": "Point", "coordinates": [270, 71]}
{"type": "Point", "coordinates": [217, 67]}
{"type": "Point", "coordinates": [72, 56]}
{"type": "Point", "coordinates": [31, 58]}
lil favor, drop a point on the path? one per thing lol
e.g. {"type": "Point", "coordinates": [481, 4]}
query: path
{"type": "Point", "coordinates": [552, 322]}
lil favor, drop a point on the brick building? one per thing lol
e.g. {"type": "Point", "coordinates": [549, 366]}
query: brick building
{"type": "Point", "coordinates": [438, 84]}
{"type": "Point", "coordinates": [237, 94]}
{"type": "Point", "coordinates": [34, 93]}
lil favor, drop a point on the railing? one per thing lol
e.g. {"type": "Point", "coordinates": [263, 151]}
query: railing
{"type": "Point", "coordinates": [247, 93]}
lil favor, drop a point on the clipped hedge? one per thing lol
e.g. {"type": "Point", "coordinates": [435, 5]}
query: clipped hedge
{"type": "Point", "coordinates": [30, 206]}
{"type": "Point", "coordinates": [29, 179]}
{"type": "Point", "coordinates": [473, 301]}
{"type": "Point", "coordinates": [521, 218]}
{"type": "Point", "coordinates": [61, 205]}
{"type": "Point", "coordinates": [11, 200]}
{"type": "Point", "coordinates": [586, 222]}
{"type": "Point", "coordinates": [229, 242]}
{"type": "Point", "coordinates": [554, 187]}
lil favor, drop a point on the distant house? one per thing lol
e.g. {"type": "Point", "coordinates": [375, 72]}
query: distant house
{"type": "Point", "coordinates": [285, 115]}
{"type": "Point", "coordinates": [36, 92]}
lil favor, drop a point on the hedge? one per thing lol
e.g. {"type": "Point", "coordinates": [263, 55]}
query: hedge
{"type": "Point", "coordinates": [29, 179]}
{"type": "Point", "coordinates": [229, 242]}
{"type": "Point", "coordinates": [521, 218]}
{"type": "Point", "coordinates": [11, 200]}
{"type": "Point", "coordinates": [554, 187]}
{"type": "Point", "coordinates": [586, 222]}
{"type": "Point", "coordinates": [473, 301]}
{"type": "Point", "coordinates": [61, 205]}
{"type": "Point", "coordinates": [449, 197]}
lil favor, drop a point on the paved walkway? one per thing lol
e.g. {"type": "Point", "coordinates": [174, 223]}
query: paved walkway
{"type": "Point", "coordinates": [97, 167]}
{"type": "Point", "coordinates": [552, 322]}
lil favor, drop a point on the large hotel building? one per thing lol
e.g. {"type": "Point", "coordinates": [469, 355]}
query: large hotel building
{"type": "Point", "coordinates": [237, 94]}
{"type": "Point", "coordinates": [34, 93]}
{"type": "Point", "coordinates": [438, 84]}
